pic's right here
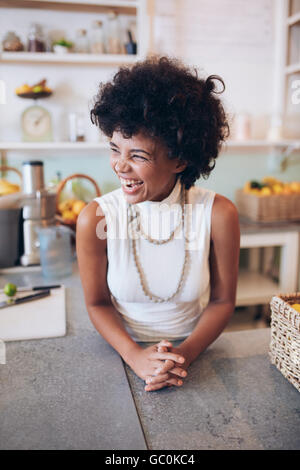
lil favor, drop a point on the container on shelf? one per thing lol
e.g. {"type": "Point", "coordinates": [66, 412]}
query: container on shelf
{"type": "Point", "coordinates": [285, 336]}
{"type": "Point", "coordinates": [130, 46]}
{"type": "Point", "coordinates": [113, 34]}
{"type": "Point", "coordinates": [81, 42]}
{"type": "Point", "coordinates": [97, 38]}
{"type": "Point", "coordinates": [36, 41]}
{"type": "Point", "coordinates": [271, 208]}
{"type": "Point", "coordinates": [12, 43]}
{"type": "Point", "coordinates": [76, 127]}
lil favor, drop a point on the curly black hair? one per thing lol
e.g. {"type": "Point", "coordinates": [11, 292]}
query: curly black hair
{"type": "Point", "coordinates": [164, 99]}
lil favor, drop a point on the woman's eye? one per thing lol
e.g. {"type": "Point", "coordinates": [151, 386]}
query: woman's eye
{"type": "Point", "coordinates": [139, 156]}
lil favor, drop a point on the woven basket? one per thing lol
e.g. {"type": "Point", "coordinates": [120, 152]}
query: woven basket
{"type": "Point", "coordinates": [5, 168]}
{"type": "Point", "coordinates": [61, 186]}
{"type": "Point", "coordinates": [285, 336]}
{"type": "Point", "coordinates": [272, 208]}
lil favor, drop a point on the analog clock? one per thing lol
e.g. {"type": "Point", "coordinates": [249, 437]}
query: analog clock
{"type": "Point", "coordinates": [36, 124]}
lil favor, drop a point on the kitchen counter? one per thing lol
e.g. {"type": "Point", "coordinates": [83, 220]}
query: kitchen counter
{"type": "Point", "coordinates": [74, 392]}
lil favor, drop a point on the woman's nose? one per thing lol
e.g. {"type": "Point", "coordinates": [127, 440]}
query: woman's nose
{"type": "Point", "coordinates": [122, 165]}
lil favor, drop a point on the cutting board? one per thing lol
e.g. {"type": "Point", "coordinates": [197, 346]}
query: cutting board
{"type": "Point", "coordinates": [42, 318]}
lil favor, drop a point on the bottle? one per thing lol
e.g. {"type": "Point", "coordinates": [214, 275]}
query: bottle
{"type": "Point", "coordinates": [131, 45]}
{"type": "Point", "coordinates": [97, 38]}
{"type": "Point", "coordinates": [36, 41]}
{"type": "Point", "coordinates": [113, 34]}
{"type": "Point", "coordinates": [81, 42]}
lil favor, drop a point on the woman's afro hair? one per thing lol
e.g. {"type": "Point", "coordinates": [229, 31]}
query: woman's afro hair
{"type": "Point", "coordinates": [165, 99]}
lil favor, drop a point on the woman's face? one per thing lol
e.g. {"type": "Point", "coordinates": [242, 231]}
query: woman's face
{"type": "Point", "coordinates": [143, 167]}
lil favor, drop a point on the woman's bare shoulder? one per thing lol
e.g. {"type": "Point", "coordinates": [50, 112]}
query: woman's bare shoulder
{"type": "Point", "coordinates": [224, 215]}
{"type": "Point", "coordinates": [88, 221]}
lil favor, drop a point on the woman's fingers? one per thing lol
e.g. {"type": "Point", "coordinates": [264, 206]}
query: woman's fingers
{"type": "Point", "coordinates": [168, 355]}
{"type": "Point", "coordinates": [156, 386]}
{"type": "Point", "coordinates": [169, 378]}
{"type": "Point", "coordinates": [166, 343]}
{"type": "Point", "coordinates": [178, 371]}
{"type": "Point", "coordinates": [164, 367]}
{"type": "Point", "coordinates": [157, 378]}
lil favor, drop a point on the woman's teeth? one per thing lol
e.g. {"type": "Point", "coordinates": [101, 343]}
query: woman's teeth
{"type": "Point", "coordinates": [130, 183]}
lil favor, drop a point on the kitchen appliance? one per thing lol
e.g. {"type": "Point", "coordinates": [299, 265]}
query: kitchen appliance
{"type": "Point", "coordinates": [38, 209]}
{"type": "Point", "coordinates": [10, 236]}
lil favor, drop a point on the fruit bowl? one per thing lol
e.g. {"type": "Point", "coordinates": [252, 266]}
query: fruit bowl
{"type": "Point", "coordinates": [67, 211]}
{"type": "Point", "coordinates": [31, 95]}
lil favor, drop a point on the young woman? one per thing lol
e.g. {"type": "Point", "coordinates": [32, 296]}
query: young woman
{"type": "Point", "coordinates": [165, 127]}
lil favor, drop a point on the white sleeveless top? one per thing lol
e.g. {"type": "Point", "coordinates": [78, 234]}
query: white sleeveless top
{"type": "Point", "coordinates": [161, 264]}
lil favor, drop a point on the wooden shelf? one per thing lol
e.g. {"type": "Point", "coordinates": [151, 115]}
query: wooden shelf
{"type": "Point", "coordinates": [294, 19]}
{"type": "Point", "coordinates": [294, 68]}
{"type": "Point", "coordinates": [121, 6]}
{"type": "Point", "coordinates": [262, 143]}
{"type": "Point", "coordinates": [20, 146]}
{"type": "Point", "coordinates": [254, 288]}
{"type": "Point", "coordinates": [69, 58]}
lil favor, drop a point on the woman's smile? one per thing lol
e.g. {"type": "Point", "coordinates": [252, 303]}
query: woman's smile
{"type": "Point", "coordinates": [143, 167]}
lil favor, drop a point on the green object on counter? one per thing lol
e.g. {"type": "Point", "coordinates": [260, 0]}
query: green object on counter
{"type": "Point", "coordinates": [10, 289]}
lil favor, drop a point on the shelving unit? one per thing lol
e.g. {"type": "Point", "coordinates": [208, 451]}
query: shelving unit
{"type": "Point", "coordinates": [4, 146]}
{"type": "Point", "coordinates": [69, 58]}
{"type": "Point", "coordinates": [136, 8]}
{"type": "Point", "coordinates": [290, 57]}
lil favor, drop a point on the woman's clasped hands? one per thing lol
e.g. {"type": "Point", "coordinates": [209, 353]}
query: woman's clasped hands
{"type": "Point", "coordinates": [160, 365]}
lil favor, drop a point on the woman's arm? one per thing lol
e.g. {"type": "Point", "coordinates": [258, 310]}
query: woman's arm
{"type": "Point", "coordinates": [92, 261]}
{"type": "Point", "coordinates": [224, 266]}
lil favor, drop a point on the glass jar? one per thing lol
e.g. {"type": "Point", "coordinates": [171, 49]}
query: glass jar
{"type": "Point", "coordinates": [11, 42]}
{"type": "Point", "coordinates": [76, 127]}
{"type": "Point", "coordinates": [113, 34]}
{"type": "Point", "coordinates": [97, 38]}
{"type": "Point", "coordinates": [36, 42]}
{"type": "Point", "coordinates": [81, 42]}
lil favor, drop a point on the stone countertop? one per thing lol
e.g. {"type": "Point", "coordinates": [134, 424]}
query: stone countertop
{"type": "Point", "coordinates": [72, 393]}
{"type": "Point", "coordinates": [233, 398]}
{"type": "Point", "coordinates": [69, 392]}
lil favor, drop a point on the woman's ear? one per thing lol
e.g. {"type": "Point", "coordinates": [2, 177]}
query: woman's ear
{"type": "Point", "coordinates": [180, 166]}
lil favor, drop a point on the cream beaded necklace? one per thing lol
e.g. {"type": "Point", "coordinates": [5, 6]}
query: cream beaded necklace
{"type": "Point", "coordinates": [135, 215]}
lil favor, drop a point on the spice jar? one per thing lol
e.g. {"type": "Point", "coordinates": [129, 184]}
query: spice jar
{"type": "Point", "coordinates": [97, 38]}
{"type": "Point", "coordinates": [11, 42]}
{"type": "Point", "coordinates": [36, 41]}
{"type": "Point", "coordinates": [76, 127]}
{"type": "Point", "coordinates": [113, 34]}
{"type": "Point", "coordinates": [81, 42]}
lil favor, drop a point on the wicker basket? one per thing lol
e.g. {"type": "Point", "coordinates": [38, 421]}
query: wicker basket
{"type": "Point", "coordinates": [272, 208]}
{"type": "Point", "coordinates": [61, 186]}
{"type": "Point", "coordinates": [285, 336]}
{"type": "Point", "coordinates": [5, 168]}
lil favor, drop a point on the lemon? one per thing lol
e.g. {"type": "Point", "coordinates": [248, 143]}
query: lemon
{"type": "Point", "coordinates": [296, 307]}
{"type": "Point", "coordinates": [10, 289]}
{"type": "Point", "coordinates": [69, 216]}
{"type": "Point", "coordinates": [78, 206]}
{"type": "Point", "coordinates": [265, 191]}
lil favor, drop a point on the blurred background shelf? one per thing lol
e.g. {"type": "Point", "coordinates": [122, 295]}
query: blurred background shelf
{"type": "Point", "coordinates": [68, 58]}
{"type": "Point", "coordinates": [255, 288]}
